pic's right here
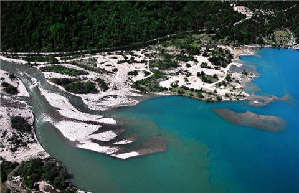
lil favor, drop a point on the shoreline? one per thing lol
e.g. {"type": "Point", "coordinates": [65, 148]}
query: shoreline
{"type": "Point", "coordinates": [102, 138]}
{"type": "Point", "coordinates": [128, 98]}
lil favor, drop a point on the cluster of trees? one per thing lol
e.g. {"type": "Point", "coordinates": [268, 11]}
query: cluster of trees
{"type": "Point", "coordinates": [75, 85]}
{"type": "Point", "coordinates": [204, 65]}
{"type": "Point", "coordinates": [133, 73]}
{"type": "Point", "coordinates": [164, 62]}
{"type": "Point", "coordinates": [8, 88]}
{"type": "Point", "coordinates": [68, 26]}
{"type": "Point", "coordinates": [6, 168]}
{"type": "Point", "coordinates": [20, 124]}
{"type": "Point", "coordinates": [102, 84]}
{"type": "Point", "coordinates": [207, 78]}
{"type": "Point", "coordinates": [49, 170]}
{"type": "Point", "coordinates": [220, 57]}
{"type": "Point", "coordinates": [63, 70]}
{"type": "Point", "coordinates": [286, 15]}
{"type": "Point", "coordinates": [80, 87]}
{"type": "Point", "coordinates": [150, 84]}
{"type": "Point", "coordinates": [186, 91]}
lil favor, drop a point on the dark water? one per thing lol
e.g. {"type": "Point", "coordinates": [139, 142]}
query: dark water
{"type": "Point", "coordinates": [205, 152]}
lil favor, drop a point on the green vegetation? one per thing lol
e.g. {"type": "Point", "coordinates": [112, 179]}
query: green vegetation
{"type": "Point", "coordinates": [21, 124]}
{"type": "Point", "coordinates": [207, 78]}
{"type": "Point", "coordinates": [150, 84]}
{"type": "Point", "coordinates": [263, 25]}
{"type": "Point", "coordinates": [32, 58]}
{"type": "Point", "coordinates": [133, 73]}
{"type": "Point", "coordinates": [189, 45]}
{"type": "Point", "coordinates": [86, 66]}
{"type": "Point", "coordinates": [183, 57]}
{"type": "Point", "coordinates": [63, 81]}
{"type": "Point", "coordinates": [8, 88]}
{"type": "Point", "coordinates": [6, 168]}
{"type": "Point", "coordinates": [163, 64]}
{"type": "Point", "coordinates": [49, 170]}
{"type": "Point", "coordinates": [12, 76]}
{"type": "Point", "coordinates": [220, 57]}
{"type": "Point", "coordinates": [222, 83]}
{"type": "Point", "coordinates": [228, 78]}
{"type": "Point", "coordinates": [102, 84]}
{"type": "Point", "coordinates": [204, 65]}
{"type": "Point", "coordinates": [165, 61]}
{"type": "Point", "coordinates": [146, 73]}
{"type": "Point", "coordinates": [63, 70]}
{"type": "Point", "coordinates": [81, 87]}
{"type": "Point", "coordinates": [39, 58]}
{"type": "Point", "coordinates": [281, 37]}
{"type": "Point", "coordinates": [69, 26]}
{"type": "Point", "coordinates": [75, 86]}
{"type": "Point", "coordinates": [190, 92]}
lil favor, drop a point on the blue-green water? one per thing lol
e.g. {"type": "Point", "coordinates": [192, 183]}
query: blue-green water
{"type": "Point", "coordinates": [241, 159]}
{"type": "Point", "coordinates": [206, 154]}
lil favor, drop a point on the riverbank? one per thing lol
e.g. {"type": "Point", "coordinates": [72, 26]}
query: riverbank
{"type": "Point", "coordinates": [99, 136]}
{"type": "Point", "coordinates": [121, 71]}
{"type": "Point", "coordinates": [132, 66]}
{"type": "Point", "coordinates": [18, 139]}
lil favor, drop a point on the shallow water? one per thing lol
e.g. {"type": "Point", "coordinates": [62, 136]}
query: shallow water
{"type": "Point", "coordinates": [205, 152]}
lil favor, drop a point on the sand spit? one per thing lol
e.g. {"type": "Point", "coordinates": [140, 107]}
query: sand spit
{"type": "Point", "coordinates": [78, 131]}
{"type": "Point", "coordinates": [126, 155]}
{"type": "Point", "coordinates": [260, 101]}
{"type": "Point", "coordinates": [91, 136]}
{"type": "Point", "coordinates": [66, 109]}
{"type": "Point", "coordinates": [250, 119]}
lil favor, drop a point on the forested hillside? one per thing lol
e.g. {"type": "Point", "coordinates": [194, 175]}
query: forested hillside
{"type": "Point", "coordinates": [269, 16]}
{"type": "Point", "coordinates": [68, 26]}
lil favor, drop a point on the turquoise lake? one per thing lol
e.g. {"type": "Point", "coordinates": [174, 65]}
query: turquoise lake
{"type": "Point", "coordinates": [206, 154]}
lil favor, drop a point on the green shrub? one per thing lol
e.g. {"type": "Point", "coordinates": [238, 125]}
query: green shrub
{"type": "Point", "coordinates": [41, 58]}
{"type": "Point", "coordinates": [8, 88]}
{"type": "Point", "coordinates": [81, 87]}
{"type": "Point", "coordinates": [12, 76]}
{"type": "Point", "coordinates": [150, 84]}
{"type": "Point", "coordinates": [6, 168]}
{"type": "Point", "coordinates": [146, 73]}
{"type": "Point", "coordinates": [228, 78]}
{"type": "Point", "coordinates": [204, 65]}
{"type": "Point", "coordinates": [19, 123]}
{"type": "Point", "coordinates": [75, 85]}
{"type": "Point", "coordinates": [62, 81]}
{"type": "Point", "coordinates": [220, 57]}
{"type": "Point", "coordinates": [49, 170]}
{"type": "Point", "coordinates": [102, 84]}
{"type": "Point", "coordinates": [63, 70]}
{"type": "Point", "coordinates": [133, 73]}
{"type": "Point", "coordinates": [207, 78]}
